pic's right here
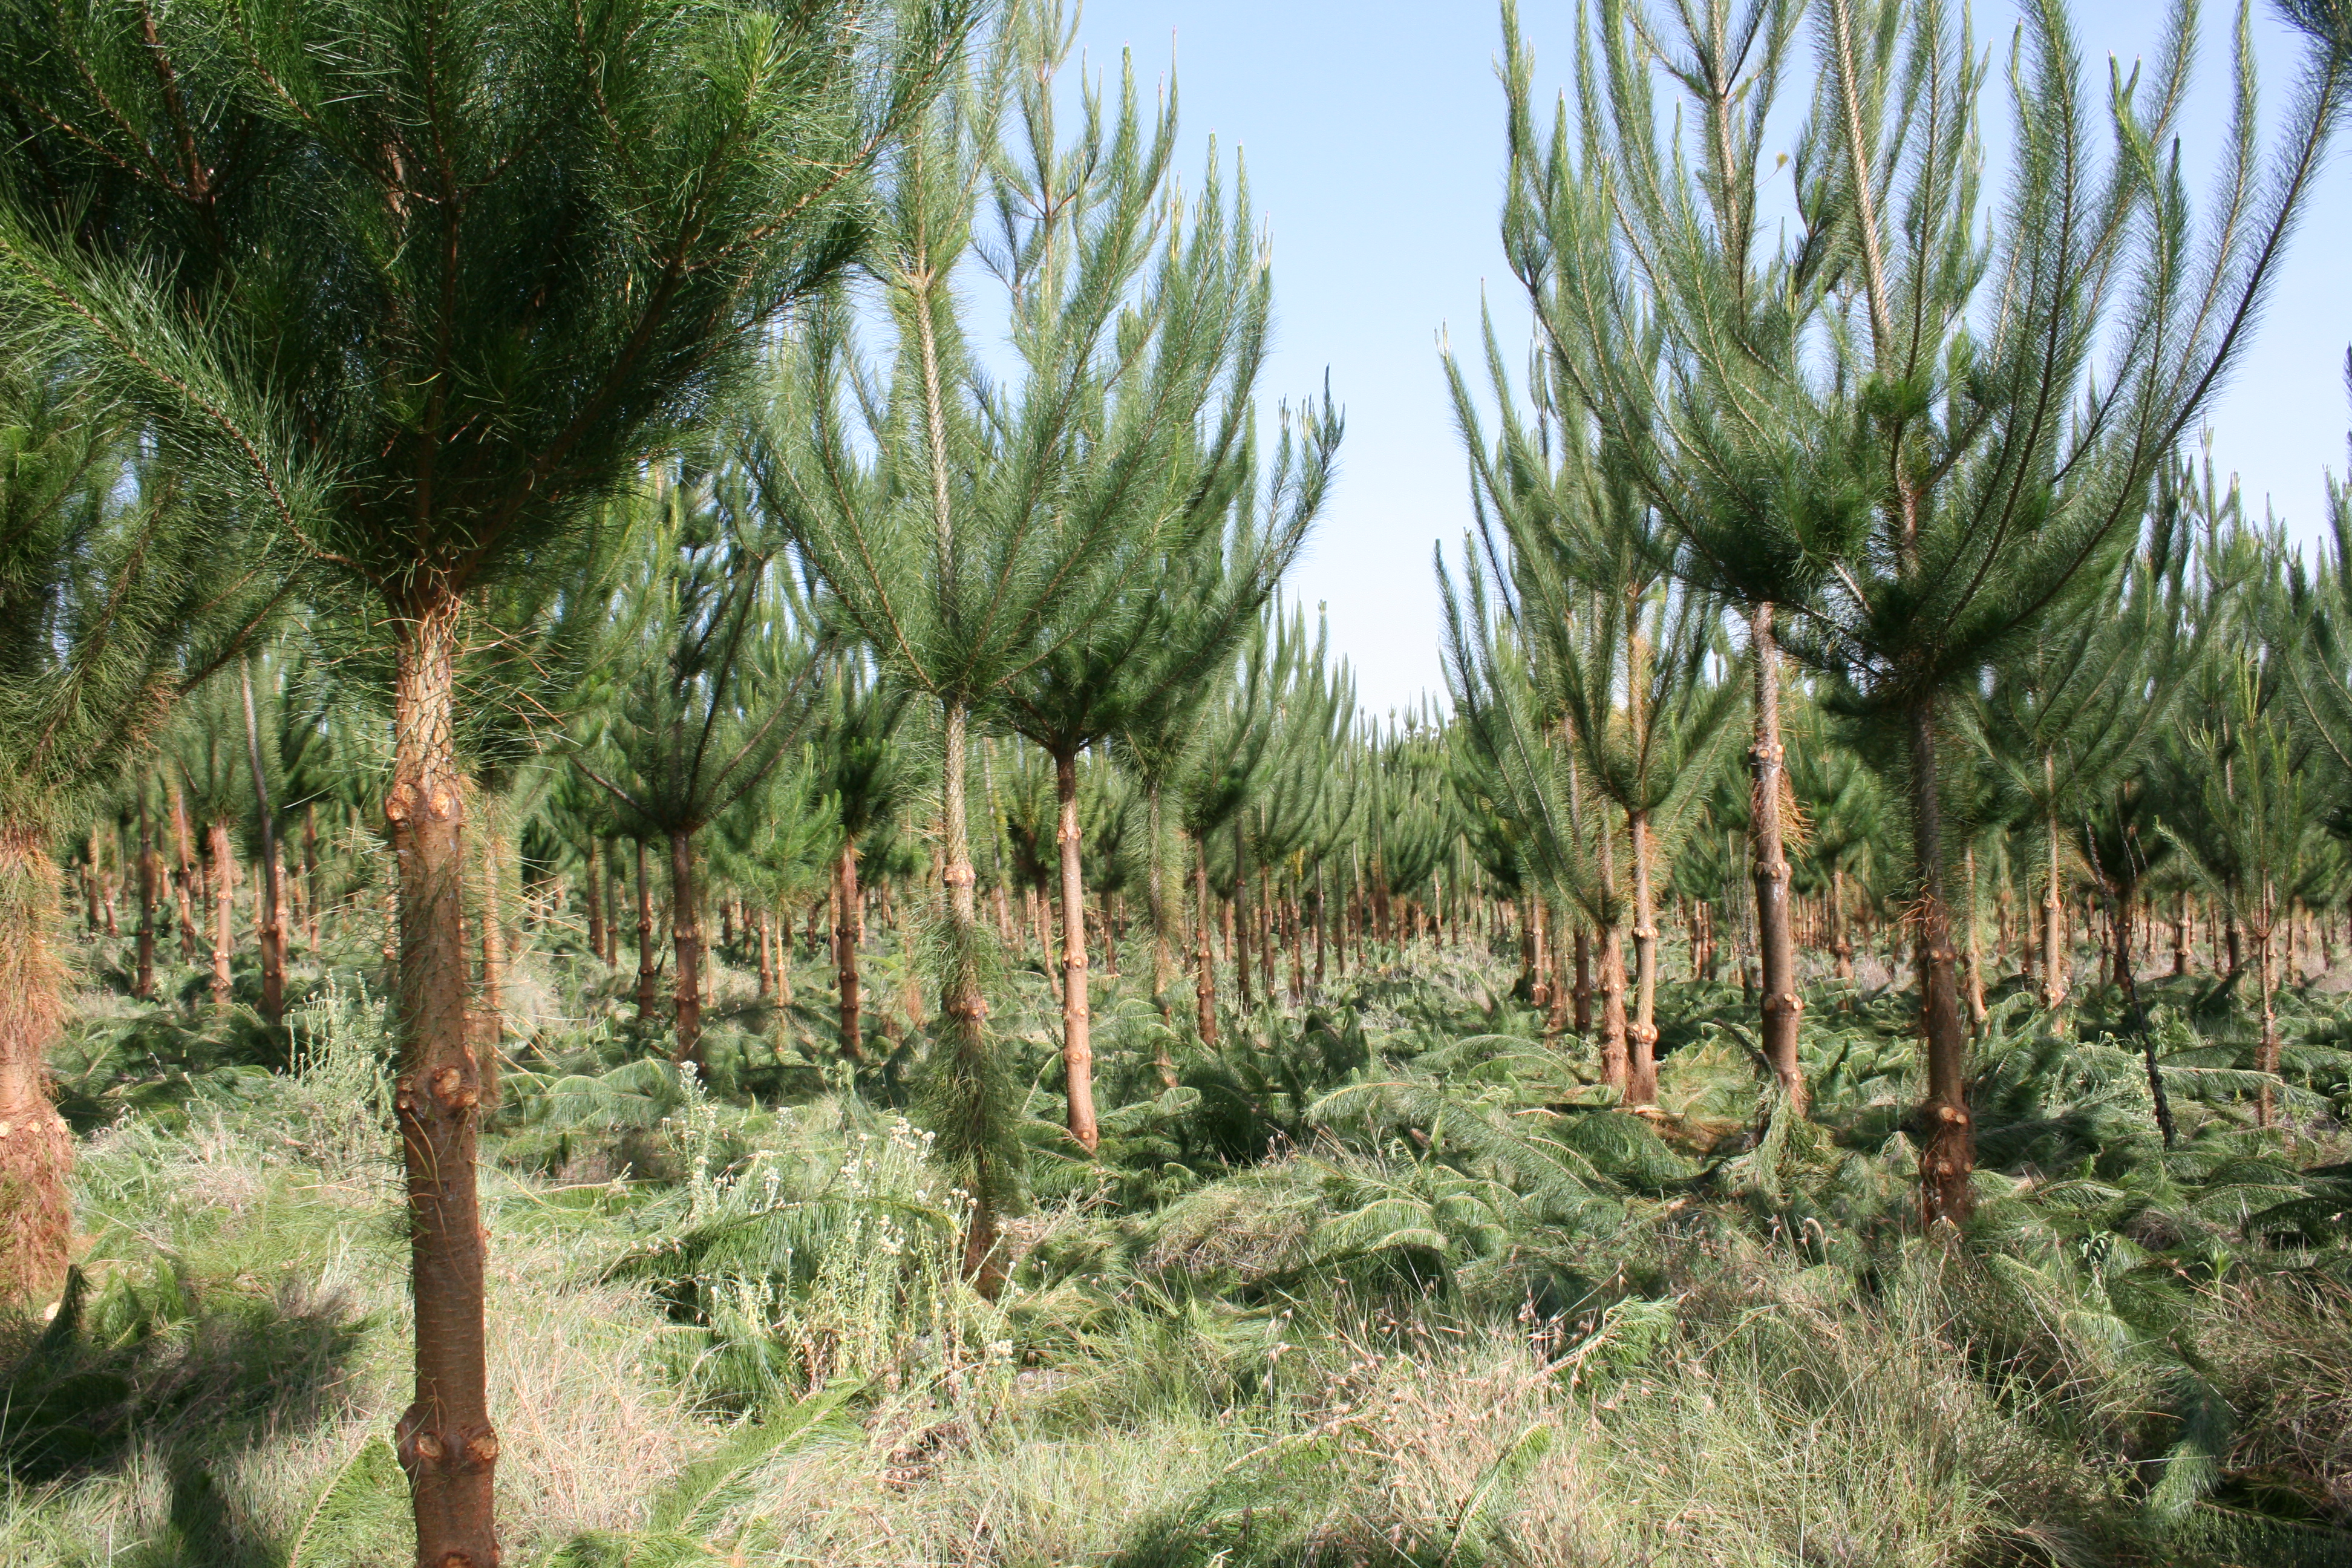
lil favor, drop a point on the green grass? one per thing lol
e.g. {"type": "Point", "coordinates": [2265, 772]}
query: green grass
{"type": "Point", "coordinates": [1384, 1281]}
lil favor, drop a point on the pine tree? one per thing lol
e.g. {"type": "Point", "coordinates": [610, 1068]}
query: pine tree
{"type": "Point", "coordinates": [1987, 489]}
{"type": "Point", "coordinates": [970, 531]}
{"type": "Point", "coordinates": [726, 681]}
{"type": "Point", "coordinates": [122, 585]}
{"type": "Point", "coordinates": [429, 280]}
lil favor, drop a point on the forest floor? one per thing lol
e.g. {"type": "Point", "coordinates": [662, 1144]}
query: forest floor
{"type": "Point", "coordinates": [1382, 1280]}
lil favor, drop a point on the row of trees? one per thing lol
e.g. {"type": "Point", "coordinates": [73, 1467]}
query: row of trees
{"type": "Point", "coordinates": [719, 430]}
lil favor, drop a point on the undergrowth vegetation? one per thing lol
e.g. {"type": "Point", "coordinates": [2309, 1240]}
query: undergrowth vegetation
{"type": "Point", "coordinates": [1386, 1278]}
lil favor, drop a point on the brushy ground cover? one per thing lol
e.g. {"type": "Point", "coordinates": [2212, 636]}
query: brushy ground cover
{"type": "Point", "coordinates": [1382, 1280]}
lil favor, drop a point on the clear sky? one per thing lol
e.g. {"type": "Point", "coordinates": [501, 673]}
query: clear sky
{"type": "Point", "coordinates": [1372, 131]}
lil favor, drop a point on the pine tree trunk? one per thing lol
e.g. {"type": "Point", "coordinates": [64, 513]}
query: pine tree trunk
{"type": "Point", "coordinates": [1947, 1155]}
{"type": "Point", "coordinates": [686, 943]}
{"type": "Point", "coordinates": [849, 989]}
{"type": "Point", "coordinates": [615, 882]}
{"type": "Point", "coordinates": [1615, 1066]}
{"type": "Point", "coordinates": [648, 972]}
{"type": "Point", "coordinates": [1975, 975]}
{"type": "Point", "coordinates": [1841, 939]}
{"type": "Point", "coordinates": [490, 1023]}
{"type": "Point", "coordinates": [1238, 912]}
{"type": "Point", "coordinates": [595, 902]}
{"type": "Point", "coordinates": [143, 985]}
{"type": "Point", "coordinates": [1581, 995]}
{"type": "Point", "coordinates": [1077, 1044]}
{"type": "Point", "coordinates": [445, 1439]}
{"type": "Point", "coordinates": [36, 1149]}
{"type": "Point", "coordinates": [184, 878]}
{"type": "Point", "coordinates": [216, 847]}
{"type": "Point", "coordinates": [763, 926]}
{"type": "Point", "coordinates": [1783, 1007]}
{"type": "Point", "coordinates": [313, 890]}
{"type": "Point", "coordinates": [2266, 1059]}
{"type": "Point", "coordinates": [1204, 972]}
{"type": "Point", "coordinates": [273, 914]}
{"type": "Point", "coordinates": [1266, 934]}
{"type": "Point", "coordinates": [963, 1007]}
{"type": "Point", "coordinates": [2180, 933]}
{"type": "Point", "coordinates": [1155, 898]}
{"type": "Point", "coordinates": [1642, 1073]}
{"type": "Point", "coordinates": [1322, 918]}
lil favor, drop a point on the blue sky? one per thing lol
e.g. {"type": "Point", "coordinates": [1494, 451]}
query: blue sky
{"type": "Point", "coordinates": [1372, 131]}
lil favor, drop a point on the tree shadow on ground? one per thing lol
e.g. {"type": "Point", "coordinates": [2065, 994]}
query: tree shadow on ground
{"type": "Point", "coordinates": [163, 1371]}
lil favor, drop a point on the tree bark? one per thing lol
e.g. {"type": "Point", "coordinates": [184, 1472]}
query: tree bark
{"type": "Point", "coordinates": [1581, 994]}
{"type": "Point", "coordinates": [1239, 911]}
{"type": "Point", "coordinates": [1783, 1008]}
{"type": "Point", "coordinates": [849, 990]}
{"type": "Point", "coordinates": [310, 884]}
{"type": "Point", "coordinates": [2053, 936]}
{"type": "Point", "coordinates": [445, 1439]}
{"type": "Point", "coordinates": [1077, 1044]}
{"type": "Point", "coordinates": [143, 985]}
{"type": "Point", "coordinates": [223, 891]}
{"type": "Point", "coordinates": [1204, 972]}
{"type": "Point", "coordinates": [35, 1149]}
{"type": "Point", "coordinates": [1840, 939]}
{"type": "Point", "coordinates": [648, 991]}
{"type": "Point", "coordinates": [595, 902]}
{"type": "Point", "coordinates": [1975, 973]}
{"type": "Point", "coordinates": [1642, 1071]}
{"type": "Point", "coordinates": [1615, 1066]}
{"type": "Point", "coordinates": [273, 914]}
{"type": "Point", "coordinates": [490, 1023]}
{"type": "Point", "coordinates": [1947, 1152]}
{"type": "Point", "coordinates": [183, 877]}
{"type": "Point", "coordinates": [686, 942]}
{"type": "Point", "coordinates": [963, 1007]}
{"type": "Point", "coordinates": [2266, 1059]}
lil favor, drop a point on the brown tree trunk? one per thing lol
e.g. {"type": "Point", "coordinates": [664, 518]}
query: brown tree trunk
{"type": "Point", "coordinates": [1642, 1072]}
{"type": "Point", "coordinates": [2180, 933]}
{"type": "Point", "coordinates": [490, 1022]}
{"type": "Point", "coordinates": [849, 990]}
{"type": "Point", "coordinates": [1077, 1044]}
{"type": "Point", "coordinates": [184, 875]}
{"type": "Point", "coordinates": [1840, 939]}
{"type": "Point", "coordinates": [595, 902]}
{"type": "Point", "coordinates": [2266, 1057]}
{"type": "Point", "coordinates": [648, 991]}
{"type": "Point", "coordinates": [1580, 996]}
{"type": "Point", "coordinates": [686, 943]}
{"type": "Point", "coordinates": [1975, 974]}
{"type": "Point", "coordinates": [1204, 972]}
{"type": "Point", "coordinates": [1947, 1155]}
{"type": "Point", "coordinates": [35, 1149]}
{"type": "Point", "coordinates": [1783, 1007]}
{"type": "Point", "coordinates": [2053, 933]}
{"type": "Point", "coordinates": [963, 1007]}
{"type": "Point", "coordinates": [763, 925]}
{"type": "Point", "coordinates": [313, 890]}
{"type": "Point", "coordinates": [1238, 912]}
{"type": "Point", "coordinates": [143, 986]}
{"type": "Point", "coordinates": [445, 1439]}
{"type": "Point", "coordinates": [1615, 1066]}
{"type": "Point", "coordinates": [273, 914]}
{"type": "Point", "coordinates": [216, 848]}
